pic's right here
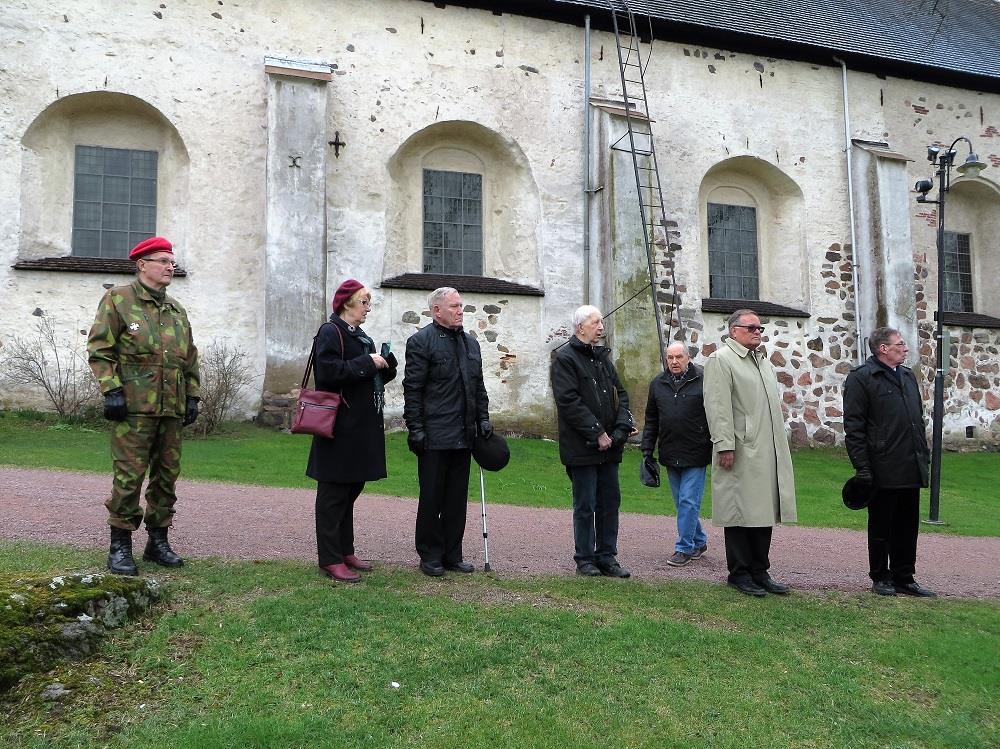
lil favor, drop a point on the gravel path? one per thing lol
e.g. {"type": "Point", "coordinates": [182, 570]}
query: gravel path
{"type": "Point", "coordinates": [251, 522]}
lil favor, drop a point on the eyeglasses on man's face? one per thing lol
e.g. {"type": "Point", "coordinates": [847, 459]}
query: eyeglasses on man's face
{"type": "Point", "coordinates": [164, 261]}
{"type": "Point", "coordinates": [751, 328]}
{"type": "Point", "coordinates": [897, 343]}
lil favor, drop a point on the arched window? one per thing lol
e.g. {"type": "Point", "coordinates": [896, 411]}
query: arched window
{"type": "Point", "coordinates": [752, 237]}
{"type": "Point", "coordinates": [100, 172]}
{"type": "Point", "coordinates": [972, 248]}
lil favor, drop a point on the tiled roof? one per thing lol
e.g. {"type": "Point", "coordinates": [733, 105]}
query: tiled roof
{"type": "Point", "coordinates": [465, 284]}
{"type": "Point", "coordinates": [77, 264]}
{"type": "Point", "coordinates": [970, 320]}
{"type": "Point", "coordinates": [908, 38]}
{"type": "Point", "coordinates": [763, 309]}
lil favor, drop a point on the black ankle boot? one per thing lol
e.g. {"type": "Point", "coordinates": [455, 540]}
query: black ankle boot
{"type": "Point", "coordinates": [120, 560]}
{"type": "Point", "coordinates": [158, 549]}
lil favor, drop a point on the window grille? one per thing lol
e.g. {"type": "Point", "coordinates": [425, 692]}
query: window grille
{"type": "Point", "coordinates": [732, 251]}
{"type": "Point", "coordinates": [114, 200]}
{"type": "Point", "coordinates": [957, 272]}
{"type": "Point", "coordinates": [453, 223]}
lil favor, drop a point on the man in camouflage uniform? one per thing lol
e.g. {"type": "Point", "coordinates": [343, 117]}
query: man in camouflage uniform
{"type": "Point", "coordinates": [144, 358]}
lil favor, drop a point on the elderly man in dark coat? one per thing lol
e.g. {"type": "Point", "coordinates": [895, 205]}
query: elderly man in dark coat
{"type": "Point", "coordinates": [445, 406]}
{"type": "Point", "coordinates": [677, 425]}
{"type": "Point", "coordinates": [884, 433]}
{"type": "Point", "coordinates": [594, 424]}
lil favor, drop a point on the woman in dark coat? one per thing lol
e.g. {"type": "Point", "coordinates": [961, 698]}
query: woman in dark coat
{"type": "Point", "coordinates": [346, 363]}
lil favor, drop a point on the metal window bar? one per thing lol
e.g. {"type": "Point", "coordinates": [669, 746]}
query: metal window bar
{"type": "Point", "coordinates": [640, 145]}
{"type": "Point", "coordinates": [114, 200]}
{"type": "Point", "coordinates": [957, 272]}
{"type": "Point", "coordinates": [452, 213]}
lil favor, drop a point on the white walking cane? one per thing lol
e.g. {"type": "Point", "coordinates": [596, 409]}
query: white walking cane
{"type": "Point", "coordinates": [486, 535]}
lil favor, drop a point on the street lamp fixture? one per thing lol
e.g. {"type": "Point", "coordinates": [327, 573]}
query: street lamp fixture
{"type": "Point", "coordinates": [943, 160]}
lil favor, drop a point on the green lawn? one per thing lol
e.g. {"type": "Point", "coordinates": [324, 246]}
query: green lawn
{"type": "Point", "coordinates": [247, 454]}
{"type": "Point", "coordinates": [272, 655]}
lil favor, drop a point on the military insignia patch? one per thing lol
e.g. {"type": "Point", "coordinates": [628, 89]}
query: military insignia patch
{"type": "Point", "coordinates": [133, 326]}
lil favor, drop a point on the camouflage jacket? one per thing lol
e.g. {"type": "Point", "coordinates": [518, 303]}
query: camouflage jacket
{"type": "Point", "coordinates": [145, 347]}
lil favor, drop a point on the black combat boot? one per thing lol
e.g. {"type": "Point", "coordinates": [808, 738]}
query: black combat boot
{"type": "Point", "coordinates": [120, 560]}
{"type": "Point", "coordinates": [158, 549]}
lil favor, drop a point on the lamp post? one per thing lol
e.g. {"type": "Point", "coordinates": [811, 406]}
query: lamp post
{"type": "Point", "coordinates": [943, 161]}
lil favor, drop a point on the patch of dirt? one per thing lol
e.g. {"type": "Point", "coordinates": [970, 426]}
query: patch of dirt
{"type": "Point", "coordinates": [252, 522]}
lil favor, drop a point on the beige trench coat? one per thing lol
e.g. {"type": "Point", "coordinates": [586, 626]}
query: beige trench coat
{"type": "Point", "coordinates": [744, 414]}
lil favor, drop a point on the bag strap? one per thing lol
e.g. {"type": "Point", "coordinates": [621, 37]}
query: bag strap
{"type": "Point", "coordinates": [312, 353]}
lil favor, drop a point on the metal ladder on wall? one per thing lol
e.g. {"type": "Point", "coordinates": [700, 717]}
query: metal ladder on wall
{"type": "Point", "coordinates": [638, 141]}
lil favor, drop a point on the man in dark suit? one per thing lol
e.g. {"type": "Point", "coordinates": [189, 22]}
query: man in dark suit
{"type": "Point", "coordinates": [887, 445]}
{"type": "Point", "coordinates": [445, 406]}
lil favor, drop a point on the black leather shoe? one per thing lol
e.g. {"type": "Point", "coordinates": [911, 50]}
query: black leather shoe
{"type": "Point", "coordinates": [883, 588]}
{"type": "Point", "coordinates": [772, 586]}
{"type": "Point", "coordinates": [588, 569]}
{"type": "Point", "coordinates": [915, 589]}
{"type": "Point", "coordinates": [613, 570]}
{"type": "Point", "coordinates": [459, 567]}
{"type": "Point", "coordinates": [432, 569]}
{"type": "Point", "coordinates": [748, 586]}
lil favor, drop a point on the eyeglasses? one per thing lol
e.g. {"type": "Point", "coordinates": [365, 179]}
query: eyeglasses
{"type": "Point", "coordinates": [164, 261]}
{"type": "Point", "coordinates": [366, 303]}
{"type": "Point", "coordinates": [897, 343]}
{"type": "Point", "coordinates": [751, 328]}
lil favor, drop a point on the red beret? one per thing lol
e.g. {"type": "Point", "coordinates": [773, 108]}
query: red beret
{"type": "Point", "coordinates": [149, 246]}
{"type": "Point", "coordinates": [345, 291]}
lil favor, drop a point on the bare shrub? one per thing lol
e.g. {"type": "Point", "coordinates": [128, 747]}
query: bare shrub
{"type": "Point", "coordinates": [225, 377]}
{"type": "Point", "coordinates": [56, 365]}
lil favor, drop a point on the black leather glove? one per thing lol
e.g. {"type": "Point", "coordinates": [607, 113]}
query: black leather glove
{"type": "Point", "coordinates": [864, 474]}
{"type": "Point", "coordinates": [485, 429]}
{"type": "Point", "coordinates": [619, 437]}
{"type": "Point", "coordinates": [417, 442]}
{"type": "Point", "coordinates": [391, 361]}
{"type": "Point", "coordinates": [114, 405]}
{"type": "Point", "coordinates": [190, 411]}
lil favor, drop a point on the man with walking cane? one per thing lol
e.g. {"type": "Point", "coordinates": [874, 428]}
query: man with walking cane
{"type": "Point", "coordinates": [446, 408]}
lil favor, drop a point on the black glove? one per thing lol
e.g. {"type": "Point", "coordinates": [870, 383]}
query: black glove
{"type": "Point", "coordinates": [864, 474]}
{"type": "Point", "coordinates": [191, 411]}
{"type": "Point", "coordinates": [114, 405]}
{"type": "Point", "coordinates": [619, 437]}
{"type": "Point", "coordinates": [417, 442]}
{"type": "Point", "coordinates": [485, 429]}
{"type": "Point", "coordinates": [391, 361]}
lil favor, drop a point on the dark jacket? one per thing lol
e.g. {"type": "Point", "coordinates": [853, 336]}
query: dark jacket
{"type": "Point", "coordinates": [444, 396]}
{"type": "Point", "coordinates": [676, 421]}
{"type": "Point", "coordinates": [590, 399]}
{"type": "Point", "coordinates": [884, 425]}
{"type": "Point", "coordinates": [357, 451]}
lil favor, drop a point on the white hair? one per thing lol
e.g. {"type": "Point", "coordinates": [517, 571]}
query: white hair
{"type": "Point", "coordinates": [437, 295]}
{"type": "Point", "coordinates": [583, 314]}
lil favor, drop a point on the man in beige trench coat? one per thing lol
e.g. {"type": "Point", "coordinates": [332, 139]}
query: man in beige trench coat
{"type": "Point", "coordinates": [752, 483]}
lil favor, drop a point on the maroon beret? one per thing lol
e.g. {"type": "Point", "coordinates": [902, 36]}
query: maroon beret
{"type": "Point", "coordinates": [149, 246]}
{"type": "Point", "coordinates": [345, 291]}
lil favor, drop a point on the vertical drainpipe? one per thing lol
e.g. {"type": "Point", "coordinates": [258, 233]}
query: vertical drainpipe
{"type": "Point", "coordinates": [586, 159]}
{"type": "Point", "coordinates": [850, 199]}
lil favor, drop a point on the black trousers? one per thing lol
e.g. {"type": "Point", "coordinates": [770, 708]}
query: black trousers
{"type": "Point", "coordinates": [335, 520]}
{"type": "Point", "coordinates": [444, 499]}
{"type": "Point", "coordinates": [893, 523]}
{"type": "Point", "coordinates": [747, 551]}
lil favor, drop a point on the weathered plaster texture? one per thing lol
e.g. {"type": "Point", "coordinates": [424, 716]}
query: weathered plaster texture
{"type": "Point", "coordinates": [415, 85]}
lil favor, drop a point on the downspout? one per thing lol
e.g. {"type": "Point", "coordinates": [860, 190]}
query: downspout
{"type": "Point", "coordinates": [850, 199]}
{"type": "Point", "coordinates": [586, 160]}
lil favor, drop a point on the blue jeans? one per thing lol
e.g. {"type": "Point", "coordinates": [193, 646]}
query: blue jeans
{"type": "Point", "coordinates": [596, 499]}
{"type": "Point", "coordinates": [688, 485]}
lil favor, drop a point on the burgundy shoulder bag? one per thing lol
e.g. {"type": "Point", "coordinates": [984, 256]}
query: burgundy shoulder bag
{"type": "Point", "coordinates": [316, 410]}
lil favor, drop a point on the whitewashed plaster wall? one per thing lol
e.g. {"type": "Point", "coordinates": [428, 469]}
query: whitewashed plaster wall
{"type": "Point", "coordinates": [400, 67]}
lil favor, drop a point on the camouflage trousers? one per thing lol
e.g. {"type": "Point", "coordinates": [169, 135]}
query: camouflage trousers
{"type": "Point", "coordinates": [138, 444]}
